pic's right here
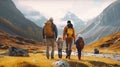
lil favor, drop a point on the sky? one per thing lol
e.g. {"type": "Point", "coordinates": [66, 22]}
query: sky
{"type": "Point", "coordinates": [84, 9]}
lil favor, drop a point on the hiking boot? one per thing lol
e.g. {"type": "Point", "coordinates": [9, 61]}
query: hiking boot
{"type": "Point", "coordinates": [79, 57]}
{"type": "Point", "coordinates": [68, 57]}
{"type": "Point", "coordinates": [52, 57]}
{"type": "Point", "coordinates": [47, 57]}
{"type": "Point", "coordinates": [69, 54]}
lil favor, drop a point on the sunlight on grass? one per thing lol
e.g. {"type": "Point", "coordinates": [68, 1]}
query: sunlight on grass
{"type": "Point", "coordinates": [40, 60]}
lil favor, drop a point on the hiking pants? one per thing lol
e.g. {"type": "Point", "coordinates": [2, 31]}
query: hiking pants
{"type": "Point", "coordinates": [68, 48]}
{"type": "Point", "coordinates": [60, 52]}
{"type": "Point", "coordinates": [50, 43]}
{"type": "Point", "coordinates": [79, 53]}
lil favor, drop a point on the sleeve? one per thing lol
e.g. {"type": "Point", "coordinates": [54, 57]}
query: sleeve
{"type": "Point", "coordinates": [56, 31]}
{"type": "Point", "coordinates": [43, 33]}
{"type": "Point", "coordinates": [64, 32]}
{"type": "Point", "coordinates": [83, 43]}
{"type": "Point", "coordinates": [74, 35]}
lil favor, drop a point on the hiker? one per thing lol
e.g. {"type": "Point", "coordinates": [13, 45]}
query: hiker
{"type": "Point", "coordinates": [49, 36]}
{"type": "Point", "coordinates": [59, 46]}
{"type": "Point", "coordinates": [79, 45]}
{"type": "Point", "coordinates": [69, 37]}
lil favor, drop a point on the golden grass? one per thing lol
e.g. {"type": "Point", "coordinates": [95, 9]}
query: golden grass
{"type": "Point", "coordinates": [40, 60]}
{"type": "Point", "coordinates": [113, 49]}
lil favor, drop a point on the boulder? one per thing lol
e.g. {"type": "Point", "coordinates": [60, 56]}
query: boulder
{"type": "Point", "coordinates": [96, 51]}
{"type": "Point", "coordinates": [13, 51]}
{"type": "Point", "coordinates": [61, 63]}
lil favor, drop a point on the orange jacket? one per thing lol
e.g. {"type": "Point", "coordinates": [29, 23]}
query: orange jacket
{"type": "Point", "coordinates": [65, 34]}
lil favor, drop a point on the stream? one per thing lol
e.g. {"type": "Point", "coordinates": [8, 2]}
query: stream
{"type": "Point", "coordinates": [113, 56]}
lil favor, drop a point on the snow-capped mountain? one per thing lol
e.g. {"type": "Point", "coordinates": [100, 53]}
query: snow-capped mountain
{"type": "Point", "coordinates": [108, 22]}
{"type": "Point", "coordinates": [77, 22]}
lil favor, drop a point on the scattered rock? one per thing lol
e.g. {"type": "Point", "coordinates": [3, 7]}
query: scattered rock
{"type": "Point", "coordinates": [13, 51]}
{"type": "Point", "coordinates": [35, 52]}
{"type": "Point", "coordinates": [22, 43]}
{"type": "Point", "coordinates": [96, 51]}
{"type": "Point", "coordinates": [2, 46]}
{"type": "Point", "coordinates": [30, 41]}
{"type": "Point", "coordinates": [19, 38]}
{"type": "Point", "coordinates": [104, 45]}
{"type": "Point", "coordinates": [61, 63]}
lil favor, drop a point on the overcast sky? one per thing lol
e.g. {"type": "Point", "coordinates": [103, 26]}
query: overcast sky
{"type": "Point", "coordinates": [84, 9]}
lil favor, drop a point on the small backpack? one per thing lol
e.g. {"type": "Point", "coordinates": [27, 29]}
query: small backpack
{"type": "Point", "coordinates": [70, 31]}
{"type": "Point", "coordinates": [48, 29]}
{"type": "Point", "coordinates": [81, 43]}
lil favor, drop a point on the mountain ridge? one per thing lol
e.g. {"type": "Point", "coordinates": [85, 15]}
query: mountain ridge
{"type": "Point", "coordinates": [105, 24]}
{"type": "Point", "coordinates": [17, 19]}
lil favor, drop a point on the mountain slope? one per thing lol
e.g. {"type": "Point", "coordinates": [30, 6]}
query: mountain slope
{"type": "Point", "coordinates": [106, 23]}
{"type": "Point", "coordinates": [18, 42]}
{"type": "Point", "coordinates": [13, 16]}
{"type": "Point", "coordinates": [109, 44]}
{"type": "Point", "coordinates": [36, 17]}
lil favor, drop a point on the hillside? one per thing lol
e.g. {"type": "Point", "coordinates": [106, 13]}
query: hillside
{"type": "Point", "coordinates": [105, 24]}
{"type": "Point", "coordinates": [109, 44]}
{"type": "Point", "coordinates": [39, 59]}
{"type": "Point", "coordinates": [14, 22]}
{"type": "Point", "coordinates": [19, 42]}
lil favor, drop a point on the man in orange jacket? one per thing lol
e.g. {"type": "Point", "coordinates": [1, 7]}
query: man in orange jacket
{"type": "Point", "coordinates": [69, 37]}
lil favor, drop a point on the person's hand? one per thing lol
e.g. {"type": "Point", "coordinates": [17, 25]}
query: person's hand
{"type": "Point", "coordinates": [44, 40]}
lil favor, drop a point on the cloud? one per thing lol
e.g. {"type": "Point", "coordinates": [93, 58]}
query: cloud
{"type": "Point", "coordinates": [84, 9]}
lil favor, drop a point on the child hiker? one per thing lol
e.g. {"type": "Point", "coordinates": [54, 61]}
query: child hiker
{"type": "Point", "coordinates": [79, 45]}
{"type": "Point", "coordinates": [59, 45]}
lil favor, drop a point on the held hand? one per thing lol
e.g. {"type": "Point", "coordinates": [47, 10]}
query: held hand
{"type": "Point", "coordinates": [44, 40]}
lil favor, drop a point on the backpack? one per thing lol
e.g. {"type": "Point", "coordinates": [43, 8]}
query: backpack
{"type": "Point", "coordinates": [80, 43]}
{"type": "Point", "coordinates": [70, 31]}
{"type": "Point", "coordinates": [48, 29]}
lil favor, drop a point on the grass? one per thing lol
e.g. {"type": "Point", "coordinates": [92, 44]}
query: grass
{"type": "Point", "coordinates": [40, 60]}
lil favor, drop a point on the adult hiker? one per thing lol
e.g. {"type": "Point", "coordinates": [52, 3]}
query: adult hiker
{"type": "Point", "coordinates": [59, 46]}
{"type": "Point", "coordinates": [69, 37]}
{"type": "Point", "coordinates": [49, 36]}
{"type": "Point", "coordinates": [79, 45]}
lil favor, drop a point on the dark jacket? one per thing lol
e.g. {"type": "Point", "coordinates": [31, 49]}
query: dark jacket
{"type": "Point", "coordinates": [54, 30]}
{"type": "Point", "coordinates": [80, 43]}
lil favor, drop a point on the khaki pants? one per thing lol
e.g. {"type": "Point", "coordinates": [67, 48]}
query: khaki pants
{"type": "Point", "coordinates": [50, 43]}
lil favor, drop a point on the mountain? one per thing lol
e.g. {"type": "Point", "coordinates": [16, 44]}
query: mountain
{"type": "Point", "coordinates": [36, 17]}
{"type": "Point", "coordinates": [108, 44]}
{"type": "Point", "coordinates": [107, 23]}
{"type": "Point", "coordinates": [7, 39]}
{"type": "Point", "coordinates": [78, 23]}
{"type": "Point", "coordinates": [14, 22]}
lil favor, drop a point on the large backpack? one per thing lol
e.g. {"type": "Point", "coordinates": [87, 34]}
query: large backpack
{"type": "Point", "coordinates": [48, 29]}
{"type": "Point", "coordinates": [70, 31]}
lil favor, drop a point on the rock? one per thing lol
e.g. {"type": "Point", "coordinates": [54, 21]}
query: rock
{"type": "Point", "coordinates": [2, 46]}
{"type": "Point", "coordinates": [13, 51]}
{"type": "Point", "coordinates": [4, 53]}
{"type": "Point", "coordinates": [104, 45]}
{"type": "Point", "coordinates": [30, 41]}
{"type": "Point", "coordinates": [20, 38]}
{"type": "Point", "coordinates": [96, 51]}
{"type": "Point", "coordinates": [35, 52]}
{"type": "Point", "coordinates": [61, 63]}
